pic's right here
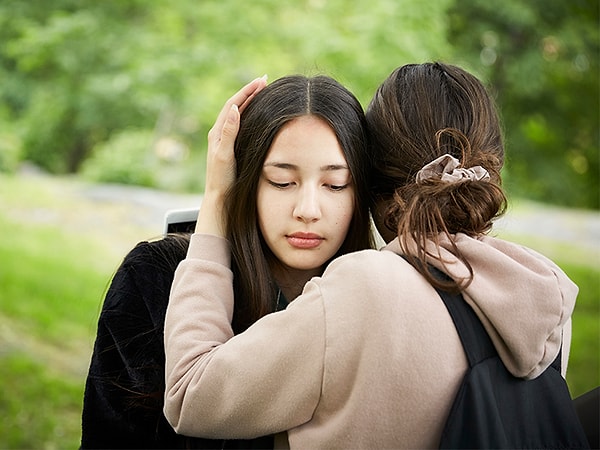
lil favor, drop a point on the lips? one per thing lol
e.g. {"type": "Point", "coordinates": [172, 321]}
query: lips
{"type": "Point", "coordinates": [304, 240]}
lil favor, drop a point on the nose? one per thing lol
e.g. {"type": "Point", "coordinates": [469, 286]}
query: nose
{"type": "Point", "coordinates": [307, 208]}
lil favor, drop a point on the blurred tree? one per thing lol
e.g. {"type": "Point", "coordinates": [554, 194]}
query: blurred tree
{"type": "Point", "coordinates": [76, 72]}
{"type": "Point", "coordinates": [227, 43]}
{"type": "Point", "coordinates": [542, 58]}
{"type": "Point", "coordinates": [72, 75]}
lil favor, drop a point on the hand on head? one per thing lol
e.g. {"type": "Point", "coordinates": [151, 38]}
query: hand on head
{"type": "Point", "coordinates": [221, 138]}
{"type": "Point", "coordinates": [220, 160]}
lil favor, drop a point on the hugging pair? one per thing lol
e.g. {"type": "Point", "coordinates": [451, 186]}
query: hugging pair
{"type": "Point", "coordinates": [280, 322]}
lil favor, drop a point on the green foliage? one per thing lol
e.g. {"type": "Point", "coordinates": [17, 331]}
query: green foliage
{"type": "Point", "coordinates": [126, 158]}
{"type": "Point", "coordinates": [74, 76]}
{"type": "Point", "coordinates": [10, 152]}
{"type": "Point", "coordinates": [75, 73]}
{"type": "Point", "coordinates": [542, 60]}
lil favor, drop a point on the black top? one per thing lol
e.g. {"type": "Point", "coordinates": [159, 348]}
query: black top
{"type": "Point", "coordinates": [124, 392]}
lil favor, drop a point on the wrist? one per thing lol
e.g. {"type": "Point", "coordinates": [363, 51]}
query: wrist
{"type": "Point", "coordinates": [210, 216]}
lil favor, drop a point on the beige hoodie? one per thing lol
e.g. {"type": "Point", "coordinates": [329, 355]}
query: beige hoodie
{"type": "Point", "coordinates": [366, 357]}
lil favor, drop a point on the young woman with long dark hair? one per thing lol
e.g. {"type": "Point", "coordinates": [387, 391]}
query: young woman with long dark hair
{"type": "Point", "coordinates": [294, 117]}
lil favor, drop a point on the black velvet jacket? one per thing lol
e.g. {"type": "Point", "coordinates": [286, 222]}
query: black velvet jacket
{"type": "Point", "coordinates": [123, 400]}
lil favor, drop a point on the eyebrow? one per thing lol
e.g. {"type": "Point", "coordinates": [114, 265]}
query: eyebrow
{"type": "Point", "coordinates": [288, 166]}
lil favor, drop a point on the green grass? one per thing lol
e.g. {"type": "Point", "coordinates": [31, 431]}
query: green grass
{"type": "Point", "coordinates": [52, 281]}
{"type": "Point", "coordinates": [53, 275]}
{"type": "Point", "coordinates": [49, 301]}
{"type": "Point", "coordinates": [584, 361]}
{"type": "Point", "coordinates": [40, 407]}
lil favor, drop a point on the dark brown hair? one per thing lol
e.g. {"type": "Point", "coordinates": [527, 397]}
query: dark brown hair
{"type": "Point", "coordinates": [134, 382]}
{"type": "Point", "coordinates": [419, 113]}
{"type": "Point", "coordinates": [280, 102]}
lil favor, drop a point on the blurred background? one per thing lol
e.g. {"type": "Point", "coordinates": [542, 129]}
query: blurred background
{"type": "Point", "coordinates": [104, 111]}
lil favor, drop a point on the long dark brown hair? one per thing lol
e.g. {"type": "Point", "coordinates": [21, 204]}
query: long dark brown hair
{"type": "Point", "coordinates": [280, 102]}
{"type": "Point", "coordinates": [419, 113]}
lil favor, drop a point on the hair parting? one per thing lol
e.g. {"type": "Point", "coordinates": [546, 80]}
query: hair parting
{"type": "Point", "coordinates": [280, 102]}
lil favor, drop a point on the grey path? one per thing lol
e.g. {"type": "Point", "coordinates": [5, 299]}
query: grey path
{"type": "Point", "coordinates": [580, 228]}
{"type": "Point", "coordinates": [571, 227]}
{"type": "Point", "coordinates": [123, 215]}
{"type": "Point", "coordinates": [147, 206]}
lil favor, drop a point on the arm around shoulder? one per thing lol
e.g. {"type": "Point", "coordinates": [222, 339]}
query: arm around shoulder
{"type": "Point", "coordinates": [265, 380]}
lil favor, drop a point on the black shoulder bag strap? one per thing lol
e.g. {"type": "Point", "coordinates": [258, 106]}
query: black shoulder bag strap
{"type": "Point", "coordinates": [494, 409]}
{"type": "Point", "coordinates": [476, 341]}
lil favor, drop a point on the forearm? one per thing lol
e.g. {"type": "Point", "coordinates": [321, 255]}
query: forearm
{"type": "Point", "coordinates": [250, 385]}
{"type": "Point", "coordinates": [210, 215]}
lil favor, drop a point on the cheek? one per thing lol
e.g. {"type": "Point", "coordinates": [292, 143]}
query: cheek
{"type": "Point", "coordinates": [270, 211]}
{"type": "Point", "coordinates": [344, 210]}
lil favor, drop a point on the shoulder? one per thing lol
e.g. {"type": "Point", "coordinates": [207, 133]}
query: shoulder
{"type": "Point", "coordinates": [169, 250]}
{"type": "Point", "coordinates": [145, 275]}
{"type": "Point", "coordinates": [367, 262]}
{"type": "Point", "coordinates": [151, 261]}
{"type": "Point", "coordinates": [367, 271]}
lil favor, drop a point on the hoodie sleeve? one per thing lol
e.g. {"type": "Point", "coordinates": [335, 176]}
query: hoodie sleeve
{"type": "Point", "coordinates": [214, 380]}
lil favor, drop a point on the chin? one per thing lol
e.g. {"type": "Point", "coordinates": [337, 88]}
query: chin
{"type": "Point", "coordinates": [307, 266]}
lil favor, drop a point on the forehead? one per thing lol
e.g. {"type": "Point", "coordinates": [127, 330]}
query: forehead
{"type": "Point", "coordinates": [306, 139]}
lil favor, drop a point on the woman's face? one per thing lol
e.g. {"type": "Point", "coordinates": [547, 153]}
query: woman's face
{"type": "Point", "coordinates": [305, 195]}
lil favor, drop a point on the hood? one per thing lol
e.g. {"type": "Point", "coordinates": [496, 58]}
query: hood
{"type": "Point", "coordinates": [522, 298]}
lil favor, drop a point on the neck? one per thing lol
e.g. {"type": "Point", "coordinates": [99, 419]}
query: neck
{"type": "Point", "coordinates": [292, 281]}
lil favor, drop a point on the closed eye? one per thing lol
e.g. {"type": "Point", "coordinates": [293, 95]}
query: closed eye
{"type": "Point", "coordinates": [279, 185]}
{"type": "Point", "coordinates": [337, 188]}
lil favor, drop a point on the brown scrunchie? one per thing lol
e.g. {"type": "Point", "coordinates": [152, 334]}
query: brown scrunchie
{"type": "Point", "coordinates": [446, 168]}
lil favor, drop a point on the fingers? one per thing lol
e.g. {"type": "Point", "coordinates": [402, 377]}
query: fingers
{"type": "Point", "coordinates": [220, 167]}
{"type": "Point", "coordinates": [247, 93]}
{"type": "Point", "coordinates": [241, 99]}
{"type": "Point", "coordinates": [230, 128]}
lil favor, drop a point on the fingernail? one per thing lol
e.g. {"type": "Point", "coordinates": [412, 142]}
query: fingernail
{"type": "Point", "coordinates": [233, 113]}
